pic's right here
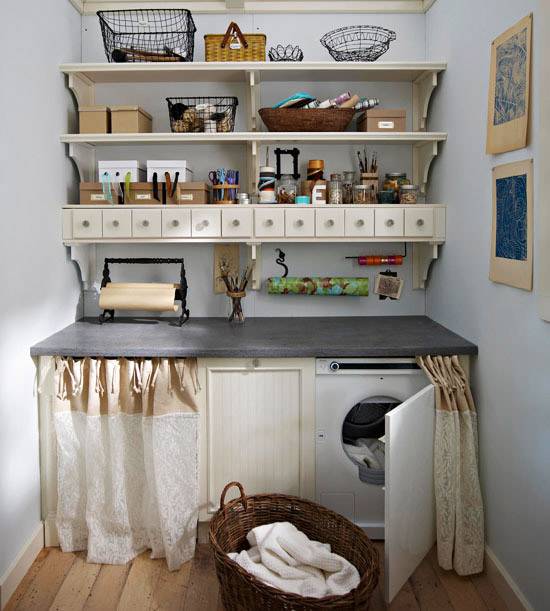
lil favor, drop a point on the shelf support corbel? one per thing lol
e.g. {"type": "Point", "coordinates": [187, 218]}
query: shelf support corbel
{"type": "Point", "coordinates": [85, 256]}
{"type": "Point", "coordinates": [423, 255]}
{"type": "Point", "coordinates": [255, 259]}
{"type": "Point", "coordinates": [422, 92]}
{"type": "Point", "coordinates": [423, 155]}
{"type": "Point", "coordinates": [83, 89]}
{"type": "Point", "coordinates": [83, 156]}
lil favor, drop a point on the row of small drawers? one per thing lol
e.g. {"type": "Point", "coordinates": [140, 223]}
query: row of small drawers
{"type": "Point", "coordinates": [241, 222]}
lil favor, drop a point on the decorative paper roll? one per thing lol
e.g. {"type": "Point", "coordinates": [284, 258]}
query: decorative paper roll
{"type": "Point", "coordinates": [332, 287]}
{"type": "Point", "coordinates": [139, 296]}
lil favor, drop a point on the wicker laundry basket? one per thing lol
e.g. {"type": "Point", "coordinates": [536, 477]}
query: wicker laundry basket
{"type": "Point", "coordinates": [240, 591]}
{"type": "Point", "coordinates": [234, 46]}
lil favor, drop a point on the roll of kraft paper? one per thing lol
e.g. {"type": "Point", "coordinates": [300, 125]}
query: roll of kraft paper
{"type": "Point", "coordinates": [328, 287]}
{"type": "Point", "coordinates": [157, 297]}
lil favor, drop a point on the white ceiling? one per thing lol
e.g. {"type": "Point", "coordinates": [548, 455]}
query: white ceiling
{"type": "Point", "coordinates": [262, 6]}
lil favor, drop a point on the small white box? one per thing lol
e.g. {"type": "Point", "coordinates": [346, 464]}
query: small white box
{"type": "Point", "coordinates": [161, 166]}
{"type": "Point", "coordinates": [117, 170]}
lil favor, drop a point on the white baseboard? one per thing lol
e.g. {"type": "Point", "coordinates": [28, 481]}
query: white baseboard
{"type": "Point", "coordinates": [19, 567]}
{"type": "Point", "coordinates": [504, 584]}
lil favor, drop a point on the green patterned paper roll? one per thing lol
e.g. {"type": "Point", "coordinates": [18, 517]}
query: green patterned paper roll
{"type": "Point", "coordinates": [330, 287]}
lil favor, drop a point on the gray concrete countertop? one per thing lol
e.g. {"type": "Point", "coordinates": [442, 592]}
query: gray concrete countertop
{"type": "Point", "coordinates": [258, 337]}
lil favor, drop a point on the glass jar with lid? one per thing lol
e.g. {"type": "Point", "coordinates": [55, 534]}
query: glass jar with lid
{"type": "Point", "coordinates": [347, 187]}
{"type": "Point", "coordinates": [335, 190]}
{"type": "Point", "coordinates": [393, 181]}
{"type": "Point", "coordinates": [287, 189]}
{"type": "Point", "coordinates": [408, 194]}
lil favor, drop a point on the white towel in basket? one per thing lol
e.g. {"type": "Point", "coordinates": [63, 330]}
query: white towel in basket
{"type": "Point", "coordinates": [284, 557]}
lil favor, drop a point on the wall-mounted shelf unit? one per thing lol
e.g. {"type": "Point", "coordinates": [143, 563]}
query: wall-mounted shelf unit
{"type": "Point", "coordinates": [86, 226]}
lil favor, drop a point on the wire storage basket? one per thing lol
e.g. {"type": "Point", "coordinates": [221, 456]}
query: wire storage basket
{"type": "Point", "coordinates": [242, 591]}
{"type": "Point", "coordinates": [148, 35]}
{"type": "Point", "coordinates": [358, 43]}
{"type": "Point", "coordinates": [202, 114]}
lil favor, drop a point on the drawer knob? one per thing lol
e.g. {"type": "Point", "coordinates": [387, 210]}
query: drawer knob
{"type": "Point", "coordinates": [85, 223]}
{"type": "Point", "coordinates": [299, 223]}
{"type": "Point", "coordinates": [115, 223]}
{"type": "Point", "coordinates": [420, 222]}
{"type": "Point", "coordinates": [175, 223]}
{"type": "Point", "coordinates": [390, 223]}
{"type": "Point", "coordinates": [202, 225]}
{"type": "Point", "coordinates": [236, 222]}
{"type": "Point", "coordinates": [269, 223]}
{"type": "Point", "coordinates": [330, 223]}
{"type": "Point", "coordinates": [359, 222]}
{"type": "Point", "coordinates": [145, 223]}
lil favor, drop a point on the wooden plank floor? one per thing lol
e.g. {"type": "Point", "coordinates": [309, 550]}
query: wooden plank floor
{"type": "Point", "coordinates": [66, 582]}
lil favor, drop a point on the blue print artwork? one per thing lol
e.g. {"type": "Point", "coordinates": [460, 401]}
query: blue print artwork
{"type": "Point", "coordinates": [511, 217]}
{"type": "Point", "coordinates": [511, 78]}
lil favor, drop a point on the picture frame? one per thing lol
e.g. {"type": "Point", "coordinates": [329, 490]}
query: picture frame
{"type": "Point", "coordinates": [511, 259]}
{"type": "Point", "coordinates": [509, 89]}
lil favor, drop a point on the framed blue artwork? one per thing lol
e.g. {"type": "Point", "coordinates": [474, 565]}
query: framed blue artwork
{"type": "Point", "coordinates": [508, 110]}
{"type": "Point", "coordinates": [512, 229]}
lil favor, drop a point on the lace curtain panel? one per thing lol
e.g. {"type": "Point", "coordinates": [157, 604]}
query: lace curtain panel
{"type": "Point", "coordinates": [127, 443]}
{"type": "Point", "coordinates": [459, 505]}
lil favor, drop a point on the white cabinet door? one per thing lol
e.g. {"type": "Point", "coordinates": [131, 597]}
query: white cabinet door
{"type": "Point", "coordinates": [419, 222]}
{"type": "Point", "coordinates": [87, 224]}
{"type": "Point", "coordinates": [299, 223]}
{"type": "Point", "coordinates": [176, 223]}
{"type": "Point", "coordinates": [269, 223]}
{"type": "Point", "coordinates": [237, 223]}
{"type": "Point", "coordinates": [329, 223]}
{"type": "Point", "coordinates": [205, 223]}
{"type": "Point", "coordinates": [409, 511]}
{"type": "Point", "coordinates": [117, 223]}
{"type": "Point", "coordinates": [388, 222]}
{"type": "Point", "coordinates": [257, 427]}
{"type": "Point", "coordinates": [359, 222]}
{"type": "Point", "coordinates": [146, 223]}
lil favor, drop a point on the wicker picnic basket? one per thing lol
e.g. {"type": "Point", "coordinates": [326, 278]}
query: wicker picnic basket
{"type": "Point", "coordinates": [240, 591]}
{"type": "Point", "coordinates": [234, 46]}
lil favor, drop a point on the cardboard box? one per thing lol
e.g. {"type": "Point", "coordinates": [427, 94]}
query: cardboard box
{"type": "Point", "coordinates": [130, 120]}
{"type": "Point", "coordinates": [117, 170]}
{"type": "Point", "coordinates": [382, 120]}
{"type": "Point", "coordinates": [142, 193]}
{"type": "Point", "coordinates": [191, 194]}
{"type": "Point", "coordinates": [92, 193]}
{"type": "Point", "coordinates": [172, 166]}
{"type": "Point", "coordinates": [94, 119]}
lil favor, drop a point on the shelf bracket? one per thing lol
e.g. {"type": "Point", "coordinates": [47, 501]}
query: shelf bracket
{"type": "Point", "coordinates": [255, 259]}
{"type": "Point", "coordinates": [423, 255]}
{"type": "Point", "coordinates": [252, 160]}
{"type": "Point", "coordinates": [85, 256]}
{"type": "Point", "coordinates": [83, 156]}
{"type": "Point", "coordinates": [423, 155]}
{"type": "Point", "coordinates": [83, 89]}
{"type": "Point", "coordinates": [253, 100]}
{"type": "Point", "coordinates": [422, 92]}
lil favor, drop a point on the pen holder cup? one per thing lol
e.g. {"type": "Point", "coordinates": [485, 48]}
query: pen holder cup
{"type": "Point", "coordinates": [225, 193]}
{"type": "Point", "coordinates": [237, 314]}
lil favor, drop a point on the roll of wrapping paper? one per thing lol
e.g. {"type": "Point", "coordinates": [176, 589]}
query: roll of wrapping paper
{"type": "Point", "coordinates": [380, 260]}
{"type": "Point", "coordinates": [329, 286]}
{"type": "Point", "coordinates": [154, 297]}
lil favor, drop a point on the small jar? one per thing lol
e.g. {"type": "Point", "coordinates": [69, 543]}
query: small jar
{"type": "Point", "coordinates": [347, 187]}
{"type": "Point", "coordinates": [386, 196]}
{"type": "Point", "coordinates": [361, 194]}
{"type": "Point", "coordinates": [287, 189]}
{"type": "Point", "coordinates": [393, 181]}
{"type": "Point", "coordinates": [335, 190]}
{"type": "Point", "coordinates": [408, 194]}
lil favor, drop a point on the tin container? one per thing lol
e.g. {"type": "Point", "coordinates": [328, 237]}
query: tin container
{"type": "Point", "coordinates": [408, 194]}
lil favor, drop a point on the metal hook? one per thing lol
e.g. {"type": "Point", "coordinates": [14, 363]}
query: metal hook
{"type": "Point", "coordinates": [280, 260]}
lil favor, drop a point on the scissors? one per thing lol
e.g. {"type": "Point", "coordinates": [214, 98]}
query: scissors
{"type": "Point", "coordinates": [218, 177]}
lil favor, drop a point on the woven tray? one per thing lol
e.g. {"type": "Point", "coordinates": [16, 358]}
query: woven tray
{"type": "Point", "coordinates": [240, 591]}
{"type": "Point", "coordinates": [307, 119]}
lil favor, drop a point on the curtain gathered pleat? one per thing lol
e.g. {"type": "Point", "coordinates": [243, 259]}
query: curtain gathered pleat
{"type": "Point", "coordinates": [459, 504]}
{"type": "Point", "coordinates": [127, 438]}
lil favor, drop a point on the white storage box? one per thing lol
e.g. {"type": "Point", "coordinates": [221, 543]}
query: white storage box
{"type": "Point", "coordinates": [160, 166]}
{"type": "Point", "coordinates": [117, 170]}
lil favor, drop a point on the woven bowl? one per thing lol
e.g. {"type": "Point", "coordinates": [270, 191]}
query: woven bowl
{"type": "Point", "coordinates": [240, 591]}
{"type": "Point", "coordinates": [306, 119]}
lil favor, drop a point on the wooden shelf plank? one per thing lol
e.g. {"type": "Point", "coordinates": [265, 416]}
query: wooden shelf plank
{"type": "Point", "coordinates": [148, 72]}
{"type": "Point", "coordinates": [415, 138]}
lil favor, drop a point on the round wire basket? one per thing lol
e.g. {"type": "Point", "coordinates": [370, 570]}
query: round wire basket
{"type": "Point", "coordinates": [358, 43]}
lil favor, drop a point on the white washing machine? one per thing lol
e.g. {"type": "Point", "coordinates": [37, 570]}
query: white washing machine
{"type": "Point", "coordinates": [402, 510]}
{"type": "Point", "coordinates": [343, 385]}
